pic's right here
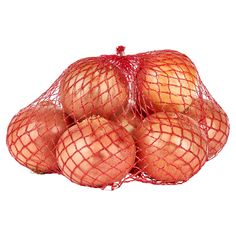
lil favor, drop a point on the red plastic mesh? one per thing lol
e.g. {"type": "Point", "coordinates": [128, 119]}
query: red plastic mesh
{"type": "Point", "coordinates": [113, 119]}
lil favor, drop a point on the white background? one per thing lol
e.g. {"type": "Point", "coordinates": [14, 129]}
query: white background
{"type": "Point", "coordinates": [39, 39]}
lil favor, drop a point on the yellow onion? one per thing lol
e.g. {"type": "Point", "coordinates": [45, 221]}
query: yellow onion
{"type": "Point", "coordinates": [214, 120]}
{"type": "Point", "coordinates": [33, 134]}
{"type": "Point", "coordinates": [129, 120]}
{"type": "Point", "coordinates": [92, 87]}
{"type": "Point", "coordinates": [167, 81]}
{"type": "Point", "coordinates": [96, 152]}
{"type": "Point", "coordinates": [171, 147]}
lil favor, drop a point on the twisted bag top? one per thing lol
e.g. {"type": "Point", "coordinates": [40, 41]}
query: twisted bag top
{"type": "Point", "coordinates": [114, 118]}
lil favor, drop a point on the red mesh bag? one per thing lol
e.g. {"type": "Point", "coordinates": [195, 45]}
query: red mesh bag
{"type": "Point", "coordinates": [113, 119]}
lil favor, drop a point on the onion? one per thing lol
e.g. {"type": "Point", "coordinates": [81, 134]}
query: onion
{"type": "Point", "coordinates": [171, 147]}
{"type": "Point", "coordinates": [167, 81]}
{"type": "Point", "coordinates": [96, 152]}
{"type": "Point", "coordinates": [129, 120]}
{"type": "Point", "coordinates": [32, 136]}
{"type": "Point", "coordinates": [93, 87]}
{"type": "Point", "coordinates": [214, 119]}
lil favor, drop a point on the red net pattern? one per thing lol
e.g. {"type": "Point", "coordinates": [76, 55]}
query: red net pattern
{"type": "Point", "coordinates": [113, 119]}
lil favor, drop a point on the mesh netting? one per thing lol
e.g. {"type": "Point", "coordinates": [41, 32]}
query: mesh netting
{"type": "Point", "coordinates": [113, 119]}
